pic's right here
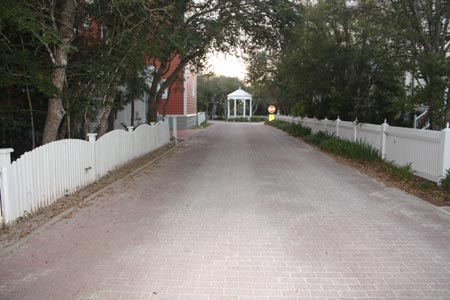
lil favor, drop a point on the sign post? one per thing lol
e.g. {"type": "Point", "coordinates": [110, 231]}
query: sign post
{"type": "Point", "coordinates": [271, 111]}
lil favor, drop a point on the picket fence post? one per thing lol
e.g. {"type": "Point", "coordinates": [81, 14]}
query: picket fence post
{"type": "Point", "coordinates": [384, 126]}
{"type": "Point", "coordinates": [5, 157]}
{"type": "Point", "coordinates": [133, 148]}
{"type": "Point", "coordinates": [337, 126]}
{"type": "Point", "coordinates": [5, 162]}
{"type": "Point", "coordinates": [355, 130]}
{"type": "Point", "coordinates": [92, 137]}
{"type": "Point", "coordinates": [174, 128]}
{"type": "Point", "coordinates": [444, 151]}
{"type": "Point", "coordinates": [325, 124]}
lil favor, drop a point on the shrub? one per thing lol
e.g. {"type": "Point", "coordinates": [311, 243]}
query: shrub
{"type": "Point", "coordinates": [293, 129]}
{"type": "Point", "coordinates": [445, 182]}
{"type": "Point", "coordinates": [258, 119]}
{"type": "Point", "coordinates": [425, 186]}
{"type": "Point", "coordinates": [402, 173]}
{"type": "Point", "coordinates": [345, 148]}
{"type": "Point", "coordinates": [247, 119]}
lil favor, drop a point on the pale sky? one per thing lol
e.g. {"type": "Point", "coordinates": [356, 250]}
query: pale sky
{"type": "Point", "coordinates": [227, 65]}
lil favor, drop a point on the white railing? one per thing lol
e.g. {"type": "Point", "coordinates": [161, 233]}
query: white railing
{"type": "Point", "coordinates": [427, 151]}
{"type": "Point", "coordinates": [418, 119]}
{"type": "Point", "coordinates": [201, 118]}
{"type": "Point", "coordinates": [39, 177]}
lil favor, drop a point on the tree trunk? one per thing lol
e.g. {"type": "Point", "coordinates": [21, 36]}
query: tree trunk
{"type": "Point", "coordinates": [152, 108]}
{"type": "Point", "coordinates": [213, 110]}
{"type": "Point", "coordinates": [63, 131]}
{"type": "Point", "coordinates": [103, 123]}
{"type": "Point", "coordinates": [132, 112]}
{"type": "Point", "coordinates": [254, 110]}
{"type": "Point", "coordinates": [30, 107]}
{"type": "Point", "coordinates": [153, 104]}
{"type": "Point", "coordinates": [155, 95]}
{"type": "Point", "coordinates": [55, 111]}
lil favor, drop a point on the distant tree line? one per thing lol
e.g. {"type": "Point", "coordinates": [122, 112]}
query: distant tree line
{"type": "Point", "coordinates": [366, 60]}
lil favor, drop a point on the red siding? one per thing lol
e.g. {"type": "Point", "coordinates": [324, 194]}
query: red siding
{"type": "Point", "coordinates": [175, 102]}
{"type": "Point", "coordinates": [175, 105]}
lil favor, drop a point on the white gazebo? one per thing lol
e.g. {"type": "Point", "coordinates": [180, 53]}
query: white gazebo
{"type": "Point", "coordinates": [239, 95]}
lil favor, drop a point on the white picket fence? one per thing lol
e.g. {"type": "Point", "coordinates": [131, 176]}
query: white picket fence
{"type": "Point", "coordinates": [39, 177]}
{"type": "Point", "coordinates": [201, 118]}
{"type": "Point", "coordinates": [427, 151]}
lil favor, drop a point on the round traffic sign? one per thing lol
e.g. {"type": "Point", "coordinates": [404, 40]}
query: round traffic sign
{"type": "Point", "coordinates": [271, 109]}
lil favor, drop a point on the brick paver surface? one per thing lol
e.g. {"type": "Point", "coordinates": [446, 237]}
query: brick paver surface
{"type": "Point", "coordinates": [239, 212]}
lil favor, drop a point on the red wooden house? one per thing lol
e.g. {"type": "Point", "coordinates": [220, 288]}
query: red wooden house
{"type": "Point", "coordinates": [180, 101]}
{"type": "Point", "coordinates": [182, 97]}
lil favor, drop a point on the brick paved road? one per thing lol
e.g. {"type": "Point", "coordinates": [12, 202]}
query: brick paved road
{"type": "Point", "coordinates": [240, 212]}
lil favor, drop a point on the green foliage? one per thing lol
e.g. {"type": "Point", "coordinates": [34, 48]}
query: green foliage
{"type": "Point", "coordinates": [404, 173]}
{"type": "Point", "coordinates": [339, 63]}
{"type": "Point", "coordinates": [345, 148]}
{"type": "Point", "coordinates": [203, 125]}
{"type": "Point", "coordinates": [423, 32]}
{"type": "Point", "coordinates": [330, 143]}
{"type": "Point", "coordinates": [253, 119]}
{"type": "Point", "coordinates": [212, 93]}
{"type": "Point", "coordinates": [293, 129]}
{"type": "Point", "coordinates": [258, 118]}
{"type": "Point", "coordinates": [350, 61]}
{"type": "Point", "coordinates": [426, 186]}
{"type": "Point", "coordinates": [445, 182]}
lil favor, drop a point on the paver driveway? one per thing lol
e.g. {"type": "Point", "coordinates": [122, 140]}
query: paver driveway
{"type": "Point", "coordinates": [242, 211]}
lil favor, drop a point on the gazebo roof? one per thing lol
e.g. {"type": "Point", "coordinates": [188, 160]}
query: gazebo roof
{"type": "Point", "coordinates": [239, 94]}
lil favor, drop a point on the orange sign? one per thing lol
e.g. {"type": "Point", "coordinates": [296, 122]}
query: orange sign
{"type": "Point", "coordinates": [271, 109]}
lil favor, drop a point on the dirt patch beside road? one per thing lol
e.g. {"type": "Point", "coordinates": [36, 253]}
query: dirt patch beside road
{"type": "Point", "coordinates": [417, 186]}
{"type": "Point", "coordinates": [24, 226]}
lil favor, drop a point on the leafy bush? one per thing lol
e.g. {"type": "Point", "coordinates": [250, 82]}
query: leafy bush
{"type": "Point", "coordinates": [293, 129]}
{"type": "Point", "coordinates": [258, 119]}
{"type": "Point", "coordinates": [402, 173]}
{"type": "Point", "coordinates": [345, 148]}
{"type": "Point", "coordinates": [298, 130]}
{"type": "Point", "coordinates": [203, 125]}
{"type": "Point", "coordinates": [247, 119]}
{"type": "Point", "coordinates": [331, 143]}
{"type": "Point", "coordinates": [425, 186]}
{"type": "Point", "coordinates": [405, 172]}
{"type": "Point", "coordinates": [445, 183]}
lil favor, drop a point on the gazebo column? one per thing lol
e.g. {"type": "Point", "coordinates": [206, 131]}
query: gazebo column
{"type": "Point", "coordinates": [235, 108]}
{"type": "Point", "coordinates": [251, 108]}
{"type": "Point", "coordinates": [245, 101]}
{"type": "Point", "coordinates": [228, 111]}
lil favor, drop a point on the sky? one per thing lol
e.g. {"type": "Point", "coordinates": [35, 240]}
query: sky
{"type": "Point", "coordinates": [226, 64]}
